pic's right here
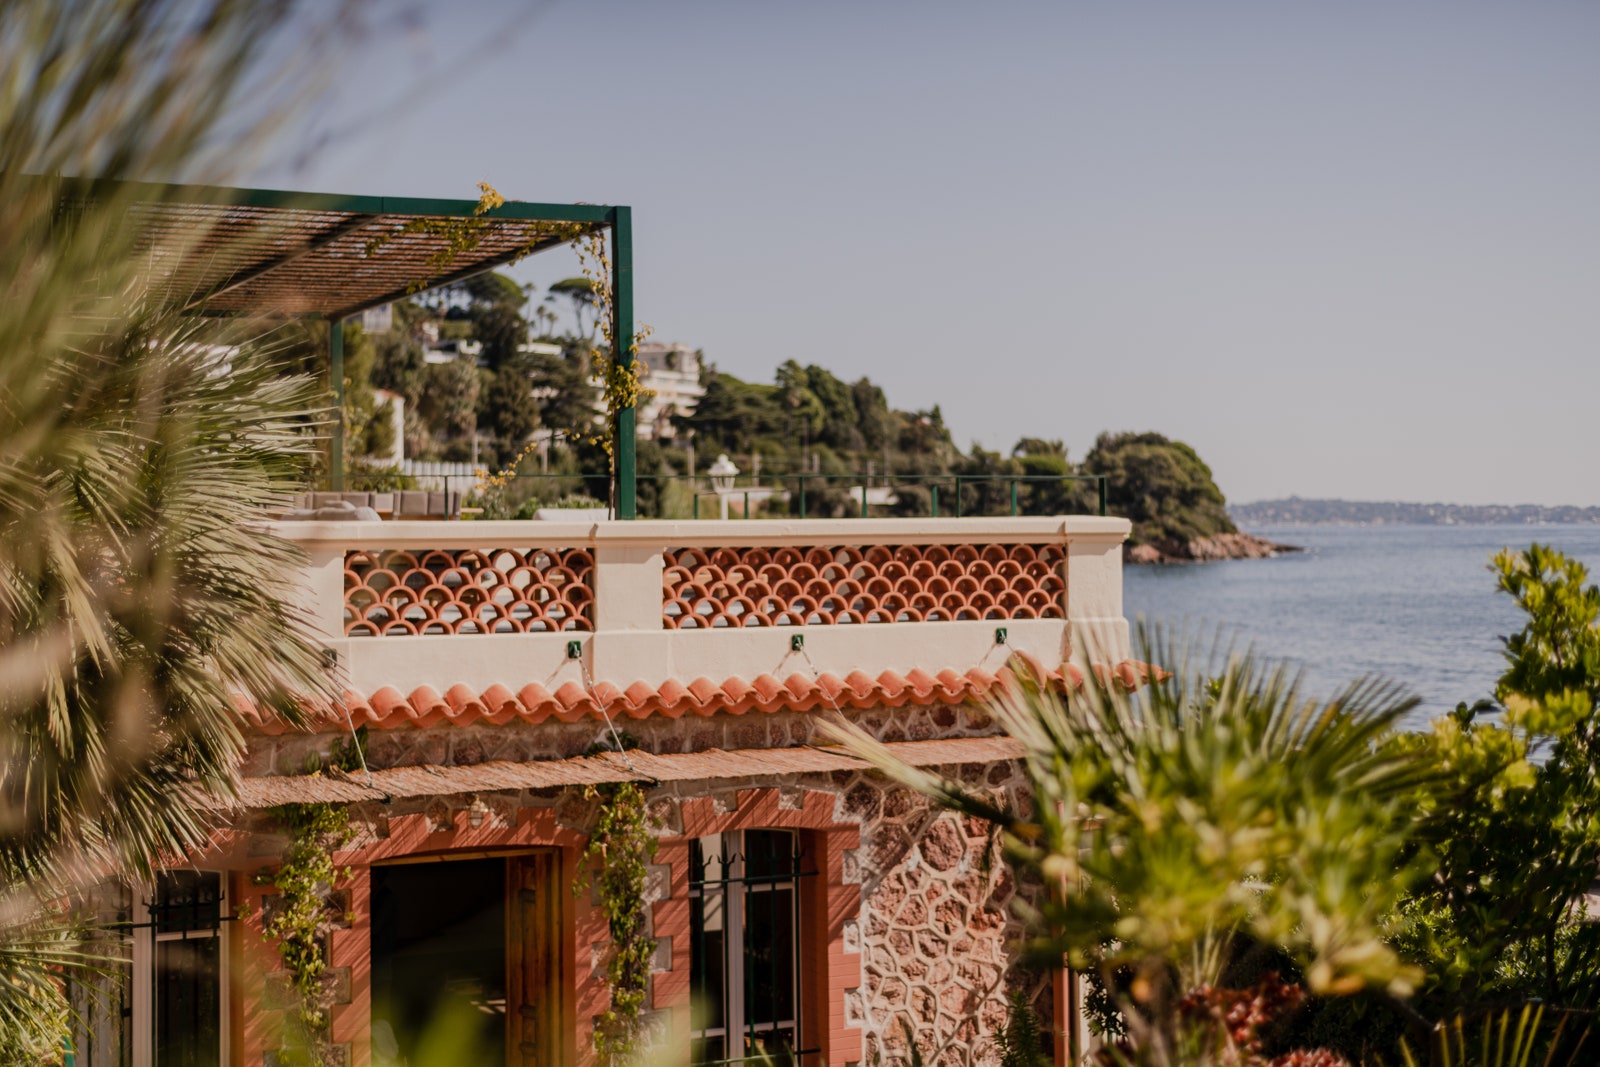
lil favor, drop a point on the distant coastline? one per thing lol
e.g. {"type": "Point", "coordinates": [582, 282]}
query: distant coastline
{"type": "Point", "coordinates": [1297, 511]}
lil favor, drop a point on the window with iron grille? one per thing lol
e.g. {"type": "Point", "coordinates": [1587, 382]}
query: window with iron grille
{"type": "Point", "coordinates": [162, 1005]}
{"type": "Point", "coordinates": [185, 967]}
{"type": "Point", "coordinates": [745, 937]}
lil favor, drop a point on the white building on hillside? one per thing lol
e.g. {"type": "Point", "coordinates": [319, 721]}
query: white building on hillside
{"type": "Point", "coordinates": [672, 372]}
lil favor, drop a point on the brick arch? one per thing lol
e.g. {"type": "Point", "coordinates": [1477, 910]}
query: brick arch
{"type": "Point", "coordinates": [830, 966]}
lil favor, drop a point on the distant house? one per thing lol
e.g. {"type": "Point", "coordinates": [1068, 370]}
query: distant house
{"type": "Point", "coordinates": [448, 351]}
{"type": "Point", "coordinates": [672, 372]}
{"type": "Point", "coordinates": [378, 319]}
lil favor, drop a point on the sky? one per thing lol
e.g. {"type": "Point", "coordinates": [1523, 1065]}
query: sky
{"type": "Point", "coordinates": [1343, 249]}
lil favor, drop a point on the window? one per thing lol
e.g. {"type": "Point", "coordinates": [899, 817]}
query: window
{"type": "Point", "coordinates": [744, 929]}
{"type": "Point", "coordinates": [177, 968]}
{"type": "Point", "coordinates": [186, 969]}
{"type": "Point", "coordinates": [164, 1006]}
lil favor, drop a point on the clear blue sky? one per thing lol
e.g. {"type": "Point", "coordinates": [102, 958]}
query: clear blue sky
{"type": "Point", "coordinates": [1344, 249]}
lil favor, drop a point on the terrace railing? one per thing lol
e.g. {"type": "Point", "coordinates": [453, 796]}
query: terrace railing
{"type": "Point", "coordinates": [801, 496]}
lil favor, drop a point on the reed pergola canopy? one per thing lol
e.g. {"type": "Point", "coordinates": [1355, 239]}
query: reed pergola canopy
{"type": "Point", "coordinates": [233, 252]}
{"type": "Point", "coordinates": [268, 252]}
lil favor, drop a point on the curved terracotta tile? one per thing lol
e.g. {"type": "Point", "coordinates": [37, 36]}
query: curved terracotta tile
{"type": "Point", "coordinates": [468, 591]}
{"type": "Point", "coordinates": [831, 585]}
{"type": "Point", "coordinates": [388, 708]}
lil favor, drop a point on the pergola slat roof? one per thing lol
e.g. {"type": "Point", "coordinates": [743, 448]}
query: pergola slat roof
{"type": "Point", "coordinates": [222, 251]}
{"type": "Point", "coordinates": [231, 252]}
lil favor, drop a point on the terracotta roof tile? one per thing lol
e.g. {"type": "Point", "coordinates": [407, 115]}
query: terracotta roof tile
{"type": "Point", "coordinates": [388, 708]}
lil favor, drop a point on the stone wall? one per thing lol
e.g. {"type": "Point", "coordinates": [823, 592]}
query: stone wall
{"type": "Point", "coordinates": [937, 925]}
{"type": "Point", "coordinates": [922, 897]}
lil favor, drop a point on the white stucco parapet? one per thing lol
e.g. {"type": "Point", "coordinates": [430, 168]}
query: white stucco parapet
{"type": "Point", "coordinates": [630, 643]}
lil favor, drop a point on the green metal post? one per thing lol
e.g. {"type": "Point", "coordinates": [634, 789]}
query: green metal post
{"type": "Point", "coordinates": [958, 496]}
{"type": "Point", "coordinates": [936, 500]}
{"type": "Point", "coordinates": [1102, 485]}
{"type": "Point", "coordinates": [336, 379]}
{"type": "Point", "coordinates": [622, 334]}
{"type": "Point", "coordinates": [696, 504]}
{"type": "Point", "coordinates": [802, 496]}
{"type": "Point", "coordinates": [1013, 497]}
{"type": "Point", "coordinates": [863, 498]}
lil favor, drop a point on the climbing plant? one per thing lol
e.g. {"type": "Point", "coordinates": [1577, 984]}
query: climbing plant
{"type": "Point", "coordinates": [301, 922]}
{"type": "Point", "coordinates": [620, 382]}
{"type": "Point", "coordinates": [623, 846]}
{"type": "Point", "coordinates": [458, 236]}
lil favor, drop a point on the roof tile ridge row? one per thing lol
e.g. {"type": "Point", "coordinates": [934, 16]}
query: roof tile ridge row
{"type": "Point", "coordinates": [460, 705]}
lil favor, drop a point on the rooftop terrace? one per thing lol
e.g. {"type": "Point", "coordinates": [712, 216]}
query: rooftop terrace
{"type": "Point", "coordinates": [431, 622]}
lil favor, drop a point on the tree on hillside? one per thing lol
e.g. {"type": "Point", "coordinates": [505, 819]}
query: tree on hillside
{"type": "Point", "coordinates": [501, 330]}
{"type": "Point", "coordinates": [1038, 446]}
{"type": "Point", "coordinates": [733, 414]}
{"type": "Point", "coordinates": [1163, 486]}
{"type": "Point", "coordinates": [839, 427]}
{"type": "Point", "coordinates": [565, 396]}
{"type": "Point", "coordinates": [803, 411]}
{"type": "Point", "coordinates": [494, 288]}
{"type": "Point", "coordinates": [872, 416]}
{"type": "Point", "coordinates": [398, 363]}
{"type": "Point", "coordinates": [579, 293]}
{"type": "Point", "coordinates": [494, 308]}
{"type": "Point", "coordinates": [1041, 459]}
{"type": "Point", "coordinates": [923, 436]}
{"type": "Point", "coordinates": [450, 397]}
{"type": "Point", "coordinates": [507, 410]}
{"type": "Point", "coordinates": [544, 321]}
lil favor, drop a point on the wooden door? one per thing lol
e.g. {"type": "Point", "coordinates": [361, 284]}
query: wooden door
{"type": "Point", "coordinates": [535, 996]}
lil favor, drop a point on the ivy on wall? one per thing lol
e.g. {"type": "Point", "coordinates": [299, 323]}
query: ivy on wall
{"type": "Point", "coordinates": [623, 846]}
{"type": "Point", "coordinates": [305, 915]}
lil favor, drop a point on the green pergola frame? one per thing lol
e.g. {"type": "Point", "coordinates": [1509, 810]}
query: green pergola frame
{"type": "Point", "coordinates": [275, 253]}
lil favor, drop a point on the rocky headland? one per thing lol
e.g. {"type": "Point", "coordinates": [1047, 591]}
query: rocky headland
{"type": "Point", "coordinates": [1236, 545]}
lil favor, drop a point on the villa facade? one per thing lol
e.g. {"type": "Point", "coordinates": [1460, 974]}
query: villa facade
{"type": "Point", "coordinates": [799, 905]}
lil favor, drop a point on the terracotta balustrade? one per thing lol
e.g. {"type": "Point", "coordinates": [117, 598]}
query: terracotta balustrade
{"type": "Point", "coordinates": [816, 585]}
{"type": "Point", "coordinates": [401, 592]}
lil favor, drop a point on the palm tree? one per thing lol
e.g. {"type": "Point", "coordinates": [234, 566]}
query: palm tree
{"type": "Point", "coordinates": [1173, 822]}
{"type": "Point", "coordinates": [140, 595]}
{"type": "Point", "coordinates": [580, 291]}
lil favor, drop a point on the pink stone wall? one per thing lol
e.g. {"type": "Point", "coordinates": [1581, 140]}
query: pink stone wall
{"type": "Point", "coordinates": [937, 926]}
{"type": "Point", "coordinates": [910, 937]}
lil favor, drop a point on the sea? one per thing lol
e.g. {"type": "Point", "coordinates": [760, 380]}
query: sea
{"type": "Point", "coordinates": [1416, 605]}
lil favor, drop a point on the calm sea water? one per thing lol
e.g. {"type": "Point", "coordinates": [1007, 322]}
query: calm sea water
{"type": "Point", "coordinates": [1414, 604]}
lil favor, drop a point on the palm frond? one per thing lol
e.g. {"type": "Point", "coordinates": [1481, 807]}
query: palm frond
{"type": "Point", "coordinates": [140, 593]}
{"type": "Point", "coordinates": [1222, 799]}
